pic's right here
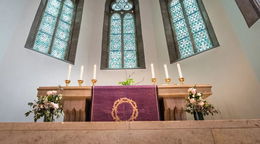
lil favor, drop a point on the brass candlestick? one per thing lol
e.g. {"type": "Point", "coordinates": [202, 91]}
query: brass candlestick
{"type": "Point", "coordinates": [168, 80]}
{"type": "Point", "coordinates": [181, 80]}
{"type": "Point", "coordinates": [80, 82]}
{"type": "Point", "coordinates": [154, 80]}
{"type": "Point", "coordinates": [94, 81]}
{"type": "Point", "coordinates": [67, 82]}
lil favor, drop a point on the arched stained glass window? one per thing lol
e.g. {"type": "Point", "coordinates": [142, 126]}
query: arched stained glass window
{"type": "Point", "coordinates": [121, 50]}
{"type": "Point", "coordinates": [191, 29]}
{"type": "Point", "coordinates": [55, 28]}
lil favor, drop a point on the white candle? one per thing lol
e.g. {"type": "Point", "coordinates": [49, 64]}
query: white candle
{"type": "Point", "coordinates": [179, 70]}
{"type": "Point", "coordinates": [166, 71]}
{"type": "Point", "coordinates": [81, 72]}
{"type": "Point", "coordinates": [152, 70]}
{"type": "Point", "coordinates": [69, 72]}
{"type": "Point", "coordinates": [95, 72]}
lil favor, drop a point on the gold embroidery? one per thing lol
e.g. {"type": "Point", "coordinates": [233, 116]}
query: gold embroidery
{"type": "Point", "coordinates": [114, 112]}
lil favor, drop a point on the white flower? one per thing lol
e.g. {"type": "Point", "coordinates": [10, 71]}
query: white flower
{"type": "Point", "coordinates": [199, 94]}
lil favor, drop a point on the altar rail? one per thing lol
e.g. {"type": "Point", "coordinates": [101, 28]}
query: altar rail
{"type": "Point", "coordinates": [77, 100]}
{"type": "Point", "coordinates": [161, 132]}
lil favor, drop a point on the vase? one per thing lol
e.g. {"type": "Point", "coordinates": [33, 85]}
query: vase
{"type": "Point", "coordinates": [48, 119]}
{"type": "Point", "coordinates": [198, 116]}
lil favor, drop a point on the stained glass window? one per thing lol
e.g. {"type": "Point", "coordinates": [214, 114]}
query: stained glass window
{"type": "Point", "coordinates": [55, 28]}
{"type": "Point", "coordinates": [122, 36]}
{"type": "Point", "coordinates": [189, 27]}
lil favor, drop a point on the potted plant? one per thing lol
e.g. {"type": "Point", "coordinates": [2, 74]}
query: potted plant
{"type": "Point", "coordinates": [199, 107]}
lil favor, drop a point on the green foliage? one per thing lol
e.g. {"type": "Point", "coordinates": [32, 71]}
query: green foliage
{"type": "Point", "coordinates": [48, 107]}
{"type": "Point", "coordinates": [129, 81]}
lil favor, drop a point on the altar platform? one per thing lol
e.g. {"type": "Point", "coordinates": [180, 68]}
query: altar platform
{"type": "Point", "coordinates": [160, 132]}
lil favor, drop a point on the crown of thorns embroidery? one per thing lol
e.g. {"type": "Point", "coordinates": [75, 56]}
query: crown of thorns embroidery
{"type": "Point", "coordinates": [120, 101]}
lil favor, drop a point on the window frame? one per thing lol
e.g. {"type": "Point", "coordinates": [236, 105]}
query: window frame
{"type": "Point", "coordinates": [106, 38]}
{"type": "Point", "coordinates": [74, 34]}
{"type": "Point", "coordinates": [250, 10]}
{"type": "Point", "coordinates": [173, 51]}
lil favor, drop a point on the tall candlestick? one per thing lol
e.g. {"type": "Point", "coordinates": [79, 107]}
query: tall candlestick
{"type": "Point", "coordinates": [152, 70]}
{"type": "Point", "coordinates": [166, 71]}
{"type": "Point", "coordinates": [95, 72]}
{"type": "Point", "coordinates": [81, 72]}
{"type": "Point", "coordinates": [179, 70]}
{"type": "Point", "coordinates": [69, 72]}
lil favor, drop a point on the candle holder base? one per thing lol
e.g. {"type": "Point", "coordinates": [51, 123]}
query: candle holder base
{"type": "Point", "coordinates": [181, 80]}
{"type": "Point", "coordinates": [168, 80]}
{"type": "Point", "coordinates": [67, 82]}
{"type": "Point", "coordinates": [80, 82]}
{"type": "Point", "coordinates": [94, 81]}
{"type": "Point", "coordinates": [154, 80]}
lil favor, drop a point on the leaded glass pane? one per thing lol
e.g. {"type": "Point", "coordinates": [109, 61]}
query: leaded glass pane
{"type": "Point", "coordinates": [181, 29]}
{"type": "Point", "coordinates": [115, 59]}
{"type": "Point", "coordinates": [48, 24]}
{"type": "Point", "coordinates": [42, 42]}
{"type": "Point", "coordinates": [59, 48]}
{"type": "Point", "coordinates": [202, 41]}
{"type": "Point", "coordinates": [130, 59]}
{"type": "Point", "coordinates": [185, 47]}
{"type": "Point", "coordinates": [190, 6]}
{"type": "Point", "coordinates": [53, 7]}
{"type": "Point", "coordinates": [115, 42]}
{"type": "Point", "coordinates": [122, 5]}
{"type": "Point", "coordinates": [197, 25]}
{"type": "Point", "coordinates": [62, 34]}
{"type": "Point", "coordinates": [129, 42]}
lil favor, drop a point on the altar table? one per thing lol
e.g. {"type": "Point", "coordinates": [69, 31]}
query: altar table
{"type": "Point", "coordinates": [77, 100]}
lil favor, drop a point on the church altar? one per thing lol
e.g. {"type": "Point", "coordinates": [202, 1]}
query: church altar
{"type": "Point", "coordinates": [171, 99]}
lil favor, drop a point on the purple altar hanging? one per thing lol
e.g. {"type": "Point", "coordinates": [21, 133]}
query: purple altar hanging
{"type": "Point", "coordinates": [124, 103]}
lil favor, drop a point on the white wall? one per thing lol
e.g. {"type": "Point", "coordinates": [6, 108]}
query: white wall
{"type": "Point", "coordinates": [23, 70]}
{"type": "Point", "coordinates": [228, 68]}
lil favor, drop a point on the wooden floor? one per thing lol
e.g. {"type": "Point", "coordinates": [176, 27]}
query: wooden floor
{"type": "Point", "coordinates": [164, 132]}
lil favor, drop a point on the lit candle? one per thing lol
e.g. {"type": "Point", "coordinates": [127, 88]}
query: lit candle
{"type": "Point", "coordinates": [81, 72]}
{"type": "Point", "coordinates": [152, 70]}
{"type": "Point", "coordinates": [95, 72]}
{"type": "Point", "coordinates": [166, 71]}
{"type": "Point", "coordinates": [69, 72]}
{"type": "Point", "coordinates": [179, 70]}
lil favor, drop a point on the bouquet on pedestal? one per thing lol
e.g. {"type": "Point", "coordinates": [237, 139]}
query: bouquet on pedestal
{"type": "Point", "coordinates": [48, 107]}
{"type": "Point", "coordinates": [199, 107]}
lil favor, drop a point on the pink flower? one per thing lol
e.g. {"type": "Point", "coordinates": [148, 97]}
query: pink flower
{"type": "Point", "coordinates": [54, 105]}
{"type": "Point", "coordinates": [192, 100]}
{"type": "Point", "coordinates": [194, 91]}
{"type": "Point", "coordinates": [201, 103]}
{"type": "Point", "coordinates": [49, 93]}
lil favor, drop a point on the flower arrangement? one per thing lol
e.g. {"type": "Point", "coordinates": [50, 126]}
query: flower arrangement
{"type": "Point", "coordinates": [196, 104]}
{"type": "Point", "coordinates": [48, 107]}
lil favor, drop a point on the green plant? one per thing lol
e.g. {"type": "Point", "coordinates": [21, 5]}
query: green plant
{"type": "Point", "coordinates": [48, 107]}
{"type": "Point", "coordinates": [196, 103]}
{"type": "Point", "coordinates": [129, 81]}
